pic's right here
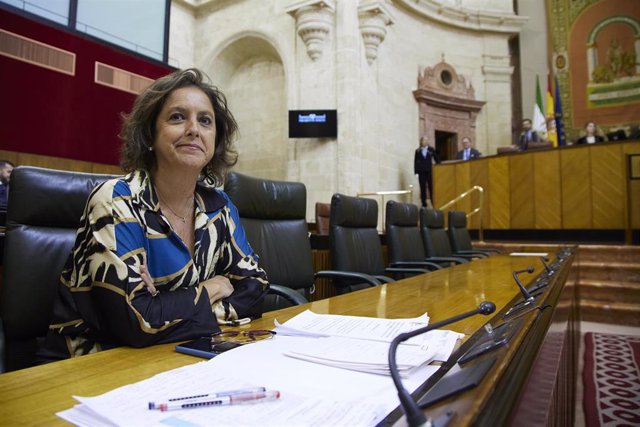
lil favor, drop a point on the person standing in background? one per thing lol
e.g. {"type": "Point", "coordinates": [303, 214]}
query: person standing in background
{"type": "Point", "coordinates": [6, 167]}
{"type": "Point", "coordinates": [467, 152]}
{"type": "Point", "coordinates": [425, 157]}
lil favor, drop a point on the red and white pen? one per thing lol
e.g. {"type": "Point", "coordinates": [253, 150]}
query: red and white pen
{"type": "Point", "coordinates": [234, 399]}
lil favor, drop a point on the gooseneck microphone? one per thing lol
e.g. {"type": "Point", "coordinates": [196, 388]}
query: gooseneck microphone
{"type": "Point", "coordinates": [544, 261]}
{"type": "Point", "coordinates": [414, 414]}
{"type": "Point", "coordinates": [525, 294]}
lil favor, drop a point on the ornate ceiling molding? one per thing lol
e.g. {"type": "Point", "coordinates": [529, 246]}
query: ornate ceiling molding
{"type": "Point", "coordinates": [462, 17]}
{"type": "Point", "coordinates": [374, 18]}
{"type": "Point", "coordinates": [314, 20]}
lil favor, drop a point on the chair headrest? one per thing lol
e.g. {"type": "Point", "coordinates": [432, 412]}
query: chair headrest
{"type": "Point", "coordinates": [349, 211]}
{"type": "Point", "coordinates": [401, 214]}
{"type": "Point", "coordinates": [264, 198]}
{"type": "Point", "coordinates": [457, 219]}
{"type": "Point", "coordinates": [432, 218]}
{"type": "Point", "coordinates": [60, 196]}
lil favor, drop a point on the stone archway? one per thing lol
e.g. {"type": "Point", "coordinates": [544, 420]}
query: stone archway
{"type": "Point", "coordinates": [447, 108]}
{"type": "Point", "coordinates": [250, 72]}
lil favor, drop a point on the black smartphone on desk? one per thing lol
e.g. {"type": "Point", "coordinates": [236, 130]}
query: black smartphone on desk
{"type": "Point", "coordinates": [205, 347]}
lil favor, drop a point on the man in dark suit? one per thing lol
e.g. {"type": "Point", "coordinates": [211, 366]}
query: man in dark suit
{"type": "Point", "coordinates": [467, 152]}
{"type": "Point", "coordinates": [424, 157]}
{"type": "Point", "coordinates": [528, 135]}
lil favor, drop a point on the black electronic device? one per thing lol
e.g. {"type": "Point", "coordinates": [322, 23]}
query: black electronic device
{"type": "Point", "coordinates": [617, 135]}
{"type": "Point", "coordinates": [313, 124]}
{"type": "Point", "coordinates": [454, 383]}
{"type": "Point", "coordinates": [415, 417]}
{"type": "Point", "coordinates": [205, 347]}
{"type": "Point", "coordinates": [491, 340]}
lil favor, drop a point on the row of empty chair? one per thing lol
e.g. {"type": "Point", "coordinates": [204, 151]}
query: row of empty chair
{"type": "Point", "coordinates": [46, 205]}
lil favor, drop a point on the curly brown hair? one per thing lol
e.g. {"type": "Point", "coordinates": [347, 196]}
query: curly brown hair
{"type": "Point", "coordinates": [139, 127]}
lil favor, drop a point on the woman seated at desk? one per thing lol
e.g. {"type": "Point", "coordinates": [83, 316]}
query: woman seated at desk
{"type": "Point", "coordinates": [160, 255]}
{"type": "Point", "coordinates": [591, 136]}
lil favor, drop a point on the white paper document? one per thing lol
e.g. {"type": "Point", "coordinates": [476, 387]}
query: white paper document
{"type": "Point", "coordinates": [373, 356]}
{"type": "Point", "coordinates": [538, 254]}
{"type": "Point", "coordinates": [311, 394]}
{"type": "Point", "coordinates": [347, 383]}
{"type": "Point", "coordinates": [309, 323]}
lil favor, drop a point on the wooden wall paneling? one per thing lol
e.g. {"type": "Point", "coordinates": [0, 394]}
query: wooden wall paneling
{"type": "Point", "coordinates": [102, 168]}
{"type": "Point", "coordinates": [521, 191]}
{"type": "Point", "coordinates": [547, 190]}
{"type": "Point", "coordinates": [633, 148]}
{"type": "Point", "coordinates": [59, 163]}
{"type": "Point", "coordinates": [480, 176]}
{"type": "Point", "coordinates": [54, 162]}
{"type": "Point", "coordinates": [576, 188]}
{"type": "Point", "coordinates": [499, 199]}
{"type": "Point", "coordinates": [444, 184]}
{"type": "Point", "coordinates": [607, 186]}
{"type": "Point", "coordinates": [12, 156]}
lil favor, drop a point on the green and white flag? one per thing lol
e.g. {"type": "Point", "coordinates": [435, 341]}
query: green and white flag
{"type": "Point", "coordinates": [539, 123]}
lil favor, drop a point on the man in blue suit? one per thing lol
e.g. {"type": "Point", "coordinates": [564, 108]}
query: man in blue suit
{"type": "Point", "coordinates": [467, 152]}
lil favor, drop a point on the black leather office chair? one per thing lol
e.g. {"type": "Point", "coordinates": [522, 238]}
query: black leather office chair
{"type": "Point", "coordinates": [460, 238]}
{"type": "Point", "coordinates": [404, 240]}
{"type": "Point", "coordinates": [435, 238]}
{"type": "Point", "coordinates": [273, 214]}
{"type": "Point", "coordinates": [44, 213]}
{"type": "Point", "coordinates": [355, 244]}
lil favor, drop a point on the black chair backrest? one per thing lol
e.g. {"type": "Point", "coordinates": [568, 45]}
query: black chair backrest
{"type": "Point", "coordinates": [353, 236]}
{"type": "Point", "coordinates": [274, 218]}
{"type": "Point", "coordinates": [434, 235]}
{"type": "Point", "coordinates": [45, 207]}
{"type": "Point", "coordinates": [404, 242]}
{"type": "Point", "coordinates": [458, 233]}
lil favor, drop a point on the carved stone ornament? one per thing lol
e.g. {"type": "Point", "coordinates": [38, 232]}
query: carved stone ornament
{"type": "Point", "coordinates": [314, 19]}
{"type": "Point", "coordinates": [374, 18]}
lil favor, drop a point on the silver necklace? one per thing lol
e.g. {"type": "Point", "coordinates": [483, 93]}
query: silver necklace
{"type": "Point", "coordinates": [182, 218]}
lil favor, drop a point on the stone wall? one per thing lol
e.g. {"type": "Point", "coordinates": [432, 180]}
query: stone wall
{"type": "Point", "coordinates": [361, 58]}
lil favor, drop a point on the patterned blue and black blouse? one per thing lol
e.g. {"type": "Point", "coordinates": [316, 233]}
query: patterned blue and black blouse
{"type": "Point", "coordinates": [102, 301]}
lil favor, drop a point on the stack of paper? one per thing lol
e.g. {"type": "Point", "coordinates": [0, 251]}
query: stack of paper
{"type": "Point", "coordinates": [311, 394]}
{"type": "Point", "coordinates": [362, 343]}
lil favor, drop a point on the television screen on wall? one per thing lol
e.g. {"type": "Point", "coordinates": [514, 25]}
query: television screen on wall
{"type": "Point", "coordinates": [313, 124]}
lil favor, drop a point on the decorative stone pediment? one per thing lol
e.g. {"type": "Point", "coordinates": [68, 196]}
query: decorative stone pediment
{"type": "Point", "coordinates": [447, 105]}
{"type": "Point", "coordinates": [314, 20]}
{"type": "Point", "coordinates": [374, 18]}
{"type": "Point", "coordinates": [443, 87]}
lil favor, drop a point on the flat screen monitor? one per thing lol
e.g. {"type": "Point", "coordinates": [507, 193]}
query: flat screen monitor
{"type": "Point", "coordinates": [313, 124]}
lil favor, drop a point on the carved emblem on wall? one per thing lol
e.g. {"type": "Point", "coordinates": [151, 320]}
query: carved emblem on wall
{"type": "Point", "coordinates": [447, 105]}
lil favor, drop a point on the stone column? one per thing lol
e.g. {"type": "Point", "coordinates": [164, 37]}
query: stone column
{"type": "Point", "coordinates": [497, 77]}
{"type": "Point", "coordinates": [347, 72]}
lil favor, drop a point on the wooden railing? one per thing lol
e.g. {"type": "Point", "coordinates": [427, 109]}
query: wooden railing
{"type": "Point", "coordinates": [478, 210]}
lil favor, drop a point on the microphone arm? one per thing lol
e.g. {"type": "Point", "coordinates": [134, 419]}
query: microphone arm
{"type": "Point", "coordinates": [415, 416]}
{"type": "Point", "coordinates": [525, 294]}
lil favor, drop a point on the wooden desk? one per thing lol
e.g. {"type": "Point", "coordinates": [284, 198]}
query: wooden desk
{"type": "Point", "coordinates": [33, 396]}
